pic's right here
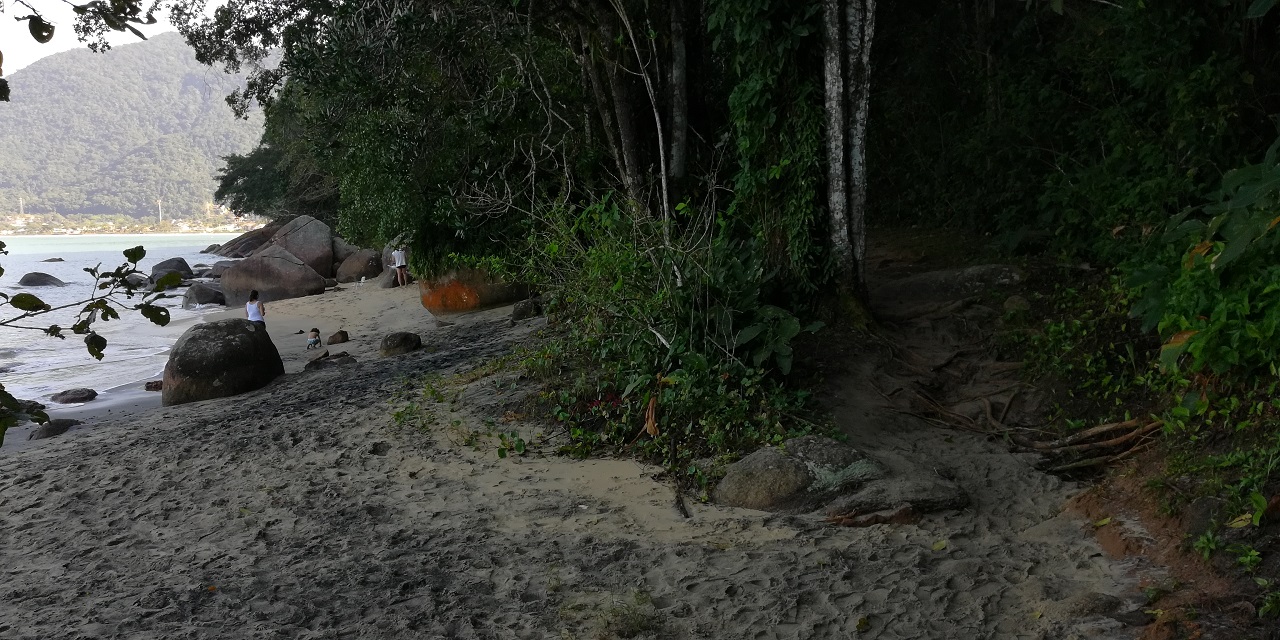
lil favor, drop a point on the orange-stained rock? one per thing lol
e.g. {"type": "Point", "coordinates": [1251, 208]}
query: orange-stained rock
{"type": "Point", "coordinates": [467, 290]}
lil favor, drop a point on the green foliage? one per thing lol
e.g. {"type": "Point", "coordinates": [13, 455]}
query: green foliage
{"type": "Point", "coordinates": [673, 348]}
{"type": "Point", "coordinates": [1084, 130]}
{"type": "Point", "coordinates": [776, 119]}
{"type": "Point", "coordinates": [105, 133]}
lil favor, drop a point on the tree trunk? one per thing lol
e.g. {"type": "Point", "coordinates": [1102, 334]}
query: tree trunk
{"type": "Point", "coordinates": [861, 18]}
{"type": "Point", "coordinates": [679, 92]}
{"type": "Point", "coordinates": [605, 110]}
{"type": "Point", "coordinates": [842, 248]}
{"type": "Point", "coordinates": [629, 142]}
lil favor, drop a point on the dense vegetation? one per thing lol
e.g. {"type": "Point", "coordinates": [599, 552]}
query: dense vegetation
{"type": "Point", "coordinates": [90, 133]}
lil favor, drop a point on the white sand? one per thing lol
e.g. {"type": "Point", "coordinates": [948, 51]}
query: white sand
{"type": "Point", "coordinates": [304, 510]}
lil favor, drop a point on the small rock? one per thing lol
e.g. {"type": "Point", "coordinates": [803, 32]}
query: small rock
{"type": "Point", "coordinates": [324, 353]}
{"type": "Point", "coordinates": [30, 406]}
{"type": "Point", "coordinates": [155, 385]}
{"type": "Point", "coordinates": [526, 309]}
{"type": "Point", "coordinates": [338, 360]}
{"type": "Point", "coordinates": [399, 343]}
{"type": "Point", "coordinates": [71, 396]}
{"type": "Point", "coordinates": [764, 480]}
{"type": "Point", "coordinates": [338, 338]}
{"type": "Point", "coordinates": [40, 279]}
{"type": "Point", "coordinates": [1016, 304]}
{"type": "Point", "coordinates": [55, 427]}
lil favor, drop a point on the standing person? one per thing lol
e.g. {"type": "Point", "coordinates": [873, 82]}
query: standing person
{"type": "Point", "coordinates": [401, 265]}
{"type": "Point", "coordinates": [255, 310]}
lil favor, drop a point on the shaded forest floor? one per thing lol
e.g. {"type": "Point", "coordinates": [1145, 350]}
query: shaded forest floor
{"type": "Point", "coordinates": [947, 315]}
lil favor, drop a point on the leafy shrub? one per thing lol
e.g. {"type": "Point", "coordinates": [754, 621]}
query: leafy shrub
{"type": "Point", "coordinates": [674, 350]}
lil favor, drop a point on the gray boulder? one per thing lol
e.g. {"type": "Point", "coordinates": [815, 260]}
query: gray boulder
{"type": "Point", "coordinates": [71, 396]}
{"type": "Point", "coordinates": [388, 279]}
{"type": "Point", "coordinates": [137, 280]}
{"type": "Point", "coordinates": [338, 338]}
{"type": "Point", "coordinates": [219, 267]}
{"type": "Point", "coordinates": [342, 250]}
{"type": "Point", "coordinates": [365, 263]}
{"type": "Point", "coordinates": [39, 279]}
{"type": "Point", "coordinates": [399, 343]}
{"type": "Point", "coordinates": [211, 248]}
{"type": "Point", "coordinates": [246, 243]}
{"type": "Point", "coordinates": [525, 309]}
{"type": "Point", "coordinates": [219, 359]}
{"type": "Point", "coordinates": [275, 273]}
{"type": "Point", "coordinates": [168, 266]}
{"type": "Point", "coordinates": [53, 260]}
{"type": "Point", "coordinates": [52, 428]}
{"type": "Point", "coordinates": [203, 293]}
{"type": "Point", "coordinates": [796, 477]}
{"type": "Point", "coordinates": [308, 239]}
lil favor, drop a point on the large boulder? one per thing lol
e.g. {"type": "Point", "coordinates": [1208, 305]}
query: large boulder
{"type": "Point", "coordinates": [466, 289]}
{"type": "Point", "coordinates": [219, 359]}
{"type": "Point", "coordinates": [246, 243]}
{"type": "Point", "coordinates": [203, 293]}
{"type": "Point", "coordinates": [795, 476]}
{"type": "Point", "coordinates": [365, 263]}
{"type": "Point", "coordinates": [39, 279]}
{"type": "Point", "coordinates": [165, 267]}
{"type": "Point", "coordinates": [308, 239]}
{"type": "Point", "coordinates": [275, 273]}
{"type": "Point", "coordinates": [72, 396]}
{"type": "Point", "coordinates": [342, 250]}
{"type": "Point", "coordinates": [211, 248]}
{"type": "Point", "coordinates": [340, 337]}
{"type": "Point", "coordinates": [219, 268]}
{"type": "Point", "coordinates": [387, 280]}
{"type": "Point", "coordinates": [399, 343]}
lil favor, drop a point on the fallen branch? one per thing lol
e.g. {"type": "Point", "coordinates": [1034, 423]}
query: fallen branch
{"type": "Point", "coordinates": [1076, 438]}
{"type": "Point", "coordinates": [1114, 442]}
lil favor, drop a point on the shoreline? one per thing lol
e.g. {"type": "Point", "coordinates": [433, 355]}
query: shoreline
{"type": "Point", "coordinates": [358, 310]}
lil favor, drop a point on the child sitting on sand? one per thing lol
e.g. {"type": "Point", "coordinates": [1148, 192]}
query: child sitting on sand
{"type": "Point", "coordinates": [313, 339]}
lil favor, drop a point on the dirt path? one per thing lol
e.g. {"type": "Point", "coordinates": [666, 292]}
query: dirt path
{"type": "Point", "coordinates": [304, 511]}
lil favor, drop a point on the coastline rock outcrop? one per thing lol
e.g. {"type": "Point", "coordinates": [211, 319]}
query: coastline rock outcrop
{"type": "Point", "coordinates": [308, 239]}
{"type": "Point", "coordinates": [220, 267]}
{"type": "Point", "coordinates": [72, 396]}
{"type": "Point", "coordinates": [203, 293]}
{"type": "Point", "coordinates": [211, 248]}
{"type": "Point", "coordinates": [398, 343]}
{"type": "Point", "coordinates": [219, 359]}
{"type": "Point", "coordinates": [248, 242]}
{"type": "Point", "coordinates": [365, 263]}
{"type": "Point", "coordinates": [53, 260]}
{"type": "Point", "coordinates": [275, 273]}
{"type": "Point", "coordinates": [342, 250]}
{"type": "Point", "coordinates": [40, 279]}
{"type": "Point", "coordinates": [168, 266]}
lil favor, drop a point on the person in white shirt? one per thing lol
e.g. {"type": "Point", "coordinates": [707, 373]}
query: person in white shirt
{"type": "Point", "coordinates": [255, 310]}
{"type": "Point", "coordinates": [401, 265]}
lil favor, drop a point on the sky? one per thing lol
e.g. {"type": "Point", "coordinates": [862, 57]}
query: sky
{"type": "Point", "coordinates": [20, 49]}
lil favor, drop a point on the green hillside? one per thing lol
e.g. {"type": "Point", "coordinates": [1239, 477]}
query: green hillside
{"type": "Point", "coordinates": [114, 132]}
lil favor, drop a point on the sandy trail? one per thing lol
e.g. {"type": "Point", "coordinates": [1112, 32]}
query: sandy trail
{"type": "Point", "coordinates": [304, 510]}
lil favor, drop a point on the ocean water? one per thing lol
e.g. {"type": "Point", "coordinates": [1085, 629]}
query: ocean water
{"type": "Point", "coordinates": [34, 366]}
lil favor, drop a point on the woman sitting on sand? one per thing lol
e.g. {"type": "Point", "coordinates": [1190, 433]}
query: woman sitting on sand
{"type": "Point", "coordinates": [255, 310]}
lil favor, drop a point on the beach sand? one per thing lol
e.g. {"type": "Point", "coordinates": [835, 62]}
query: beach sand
{"type": "Point", "coordinates": [342, 504]}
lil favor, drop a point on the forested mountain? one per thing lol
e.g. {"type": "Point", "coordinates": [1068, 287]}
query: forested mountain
{"type": "Point", "coordinates": [114, 132]}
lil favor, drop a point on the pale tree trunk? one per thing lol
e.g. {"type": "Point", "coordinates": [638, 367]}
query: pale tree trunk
{"type": "Point", "coordinates": [849, 28]}
{"type": "Point", "coordinates": [837, 166]}
{"type": "Point", "coordinates": [862, 24]}
{"type": "Point", "coordinates": [679, 92]}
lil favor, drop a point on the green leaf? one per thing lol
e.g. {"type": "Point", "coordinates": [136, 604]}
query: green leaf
{"type": "Point", "coordinates": [96, 344]}
{"type": "Point", "coordinates": [520, 446]}
{"type": "Point", "coordinates": [28, 302]}
{"type": "Point", "coordinates": [748, 334]}
{"type": "Point", "coordinates": [156, 314]}
{"type": "Point", "coordinates": [939, 545]}
{"type": "Point", "coordinates": [1260, 8]}
{"type": "Point", "coordinates": [1056, 5]}
{"type": "Point", "coordinates": [168, 281]}
{"type": "Point", "coordinates": [502, 452]}
{"type": "Point", "coordinates": [814, 327]}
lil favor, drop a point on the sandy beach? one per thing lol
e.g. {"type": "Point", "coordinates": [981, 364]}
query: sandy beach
{"type": "Point", "coordinates": [308, 510]}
